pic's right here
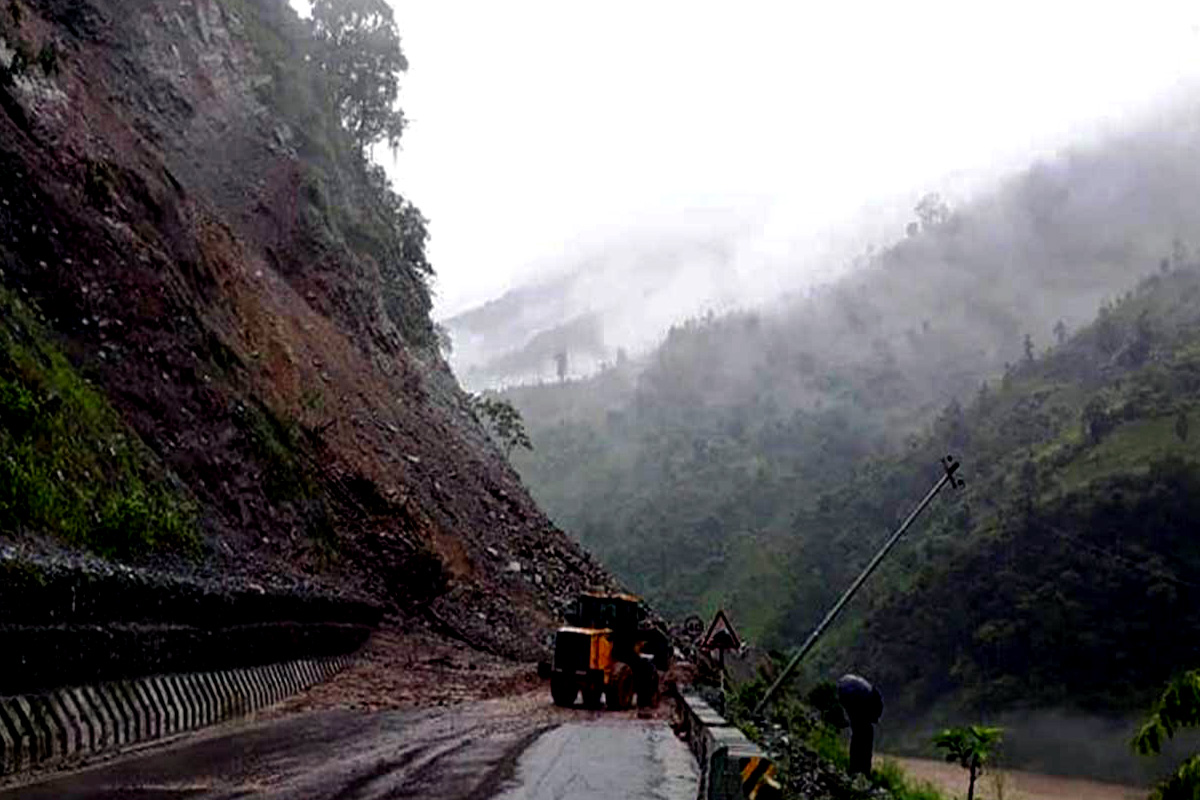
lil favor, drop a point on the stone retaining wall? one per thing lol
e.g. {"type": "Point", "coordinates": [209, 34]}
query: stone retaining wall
{"type": "Point", "coordinates": [56, 727]}
{"type": "Point", "coordinates": [88, 622]}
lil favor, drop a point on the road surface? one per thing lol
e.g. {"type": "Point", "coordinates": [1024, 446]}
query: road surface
{"type": "Point", "coordinates": [521, 749]}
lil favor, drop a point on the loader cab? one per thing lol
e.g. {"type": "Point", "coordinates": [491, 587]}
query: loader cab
{"type": "Point", "coordinates": [616, 612]}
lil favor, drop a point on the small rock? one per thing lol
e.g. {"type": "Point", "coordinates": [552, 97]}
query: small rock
{"type": "Point", "coordinates": [513, 566]}
{"type": "Point", "coordinates": [493, 552]}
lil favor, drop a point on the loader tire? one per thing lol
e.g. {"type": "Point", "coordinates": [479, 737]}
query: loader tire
{"type": "Point", "coordinates": [563, 690]}
{"type": "Point", "coordinates": [647, 691]}
{"type": "Point", "coordinates": [620, 687]}
{"type": "Point", "coordinates": [591, 697]}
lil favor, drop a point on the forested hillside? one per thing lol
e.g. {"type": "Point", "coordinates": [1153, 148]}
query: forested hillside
{"type": "Point", "coordinates": [755, 460]}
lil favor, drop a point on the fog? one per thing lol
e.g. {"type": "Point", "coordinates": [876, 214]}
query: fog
{"type": "Point", "coordinates": [545, 139]}
{"type": "Point", "coordinates": [1013, 256]}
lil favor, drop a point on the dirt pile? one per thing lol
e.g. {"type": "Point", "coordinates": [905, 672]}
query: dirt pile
{"type": "Point", "coordinates": [188, 233]}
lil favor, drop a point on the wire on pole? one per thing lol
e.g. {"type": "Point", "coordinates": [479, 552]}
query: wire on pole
{"type": "Point", "coordinates": [949, 468]}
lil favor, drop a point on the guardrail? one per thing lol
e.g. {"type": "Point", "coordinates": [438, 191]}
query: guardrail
{"type": "Point", "coordinates": [53, 728]}
{"type": "Point", "coordinates": [731, 766]}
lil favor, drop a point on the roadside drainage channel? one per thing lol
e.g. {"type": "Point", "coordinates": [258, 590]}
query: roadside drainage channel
{"type": "Point", "coordinates": [53, 728]}
{"type": "Point", "coordinates": [731, 766]}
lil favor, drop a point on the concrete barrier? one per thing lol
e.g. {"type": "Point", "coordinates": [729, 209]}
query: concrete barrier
{"type": "Point", "coordinates": [731, 766]}
{"type": "Point", "coordinates": [56, 727]}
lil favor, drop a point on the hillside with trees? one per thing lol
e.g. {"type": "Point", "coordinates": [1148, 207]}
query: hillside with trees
{"type": "Point", "coordinates": [1047, 335]}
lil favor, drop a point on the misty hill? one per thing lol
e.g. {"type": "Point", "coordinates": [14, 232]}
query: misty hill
{"type": "Point", "coordinates": [754, 460]}
{"type": "Point", "coordinates": [216, 356]}
{"type": "Point", "coordinates": [601, 300]}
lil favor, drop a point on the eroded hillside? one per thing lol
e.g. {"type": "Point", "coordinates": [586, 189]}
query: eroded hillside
{"type": "Point", "coordinates": [216, 358]}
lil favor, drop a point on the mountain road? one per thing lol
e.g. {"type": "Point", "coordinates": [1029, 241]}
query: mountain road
{"type": "Point", "coordinates": [516, 748]}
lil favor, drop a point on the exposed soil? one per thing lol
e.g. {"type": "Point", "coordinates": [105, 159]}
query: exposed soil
{"type": "Point", "coordinates": [1015, 785]}
{"type": "Point", "coordinates": [157, 209]}
{"type": "Point", "coordinates": [407, 665]}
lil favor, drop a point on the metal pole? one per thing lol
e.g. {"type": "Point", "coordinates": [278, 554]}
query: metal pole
{"type": "Point", "coordinates": [950, 466]}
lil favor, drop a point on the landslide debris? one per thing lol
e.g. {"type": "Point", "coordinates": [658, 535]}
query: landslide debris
{"type": "Point", "coordinates": [195, 264]}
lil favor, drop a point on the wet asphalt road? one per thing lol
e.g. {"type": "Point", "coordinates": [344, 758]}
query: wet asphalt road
{"type": "Point", "coordinates": [467, 753]}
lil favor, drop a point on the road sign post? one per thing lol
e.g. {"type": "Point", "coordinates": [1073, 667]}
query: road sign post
{"type": "Point", "coordinates": [721, 636]}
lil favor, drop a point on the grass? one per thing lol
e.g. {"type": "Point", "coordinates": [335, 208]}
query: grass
{"type": "Point", "coordinates": [890, 776]}
{"type": "Point", "coordinates": [276, 442]}
{"type": "Point", "coordinates": [69, 465]}
{"type": "Point", "coordinates": [1130, 448]}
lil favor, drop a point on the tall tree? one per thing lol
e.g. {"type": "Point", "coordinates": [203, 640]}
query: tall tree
{"type": "Point", "coordinates": [1060, 332]}
{"type": "Point", "coordinates": [359, 51]}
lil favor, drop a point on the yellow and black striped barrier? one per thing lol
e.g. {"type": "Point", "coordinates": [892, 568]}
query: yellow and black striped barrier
{"type": "Point", "coordinates": [731, 766]}
{"type": "Point", "coordinates": [758, 779]}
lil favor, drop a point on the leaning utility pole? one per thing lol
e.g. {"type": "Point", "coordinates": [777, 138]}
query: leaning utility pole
{"type": "Point", "coordinates": [949, 467]}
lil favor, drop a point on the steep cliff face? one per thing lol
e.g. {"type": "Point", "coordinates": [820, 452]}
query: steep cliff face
{"type": "Point", "coordinates": [182, 224]}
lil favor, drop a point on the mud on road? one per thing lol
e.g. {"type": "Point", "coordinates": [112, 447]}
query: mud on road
{"type": "Point", "coordinates": [418, 715]}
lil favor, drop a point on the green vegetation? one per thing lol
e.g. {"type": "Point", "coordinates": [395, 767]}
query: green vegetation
{"type": "Point", "coordinates": [277, 443]}
{"type": "Point", "coordinates": [359, 51]}
{"type": "Point", "coordinates": [502, 421]}
{"type": "Point", "coordinates": [755, 462]}
{"type": "Point", "coordinates": [970, 747]}
{"type": "Point", "coordinates": [68, 465]}
{"type": "Point", "coordinates": [1176, 708]}
{"type": "Point", "coordinates": [48, 59]}
{"type": "Point", "coordinates": [815, 749]}
{"type": "Point", "coordinates": [335, 83]}
{"type": "Point", "coordinates": [889, 776]}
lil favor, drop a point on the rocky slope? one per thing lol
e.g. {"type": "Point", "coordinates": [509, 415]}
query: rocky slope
{"type": "Point", "coordinates": [189, 250]}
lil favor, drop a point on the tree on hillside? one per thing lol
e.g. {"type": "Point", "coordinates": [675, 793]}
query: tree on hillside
{"type": "Point", "coordinates": [444, 341]}
{"type": "Point", "coordinates": [1028, 345]}
{"type": "Point", "coordinates": [502, 421]}
{"type": "Point", "coordinates": [1096, 420]}
{"type": "Point", "coordinates": [359, 52]}
{"type": "Point", "coordinates": [970, 747]}
{"type": "Point", "coordinates": [932, 211]}
{"type": "Point", "coordinates": [1181, 425]}
{"type": "Point", "coordinates": [1178, 707]}
{"type": "Point", "coordinates": [1060, 332]}
{"type": "Point", "coordinates": [1179, 253]}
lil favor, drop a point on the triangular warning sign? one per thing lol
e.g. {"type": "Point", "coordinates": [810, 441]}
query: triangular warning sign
{"type": "Point", "coordinates": [721, 635]}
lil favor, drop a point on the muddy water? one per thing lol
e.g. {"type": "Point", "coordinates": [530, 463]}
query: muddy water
{"type": "Point", "coordinates": [952, 780]}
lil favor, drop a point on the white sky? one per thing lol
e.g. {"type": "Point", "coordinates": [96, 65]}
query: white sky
{"type": "Point", "coordinates": [538, 124]}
